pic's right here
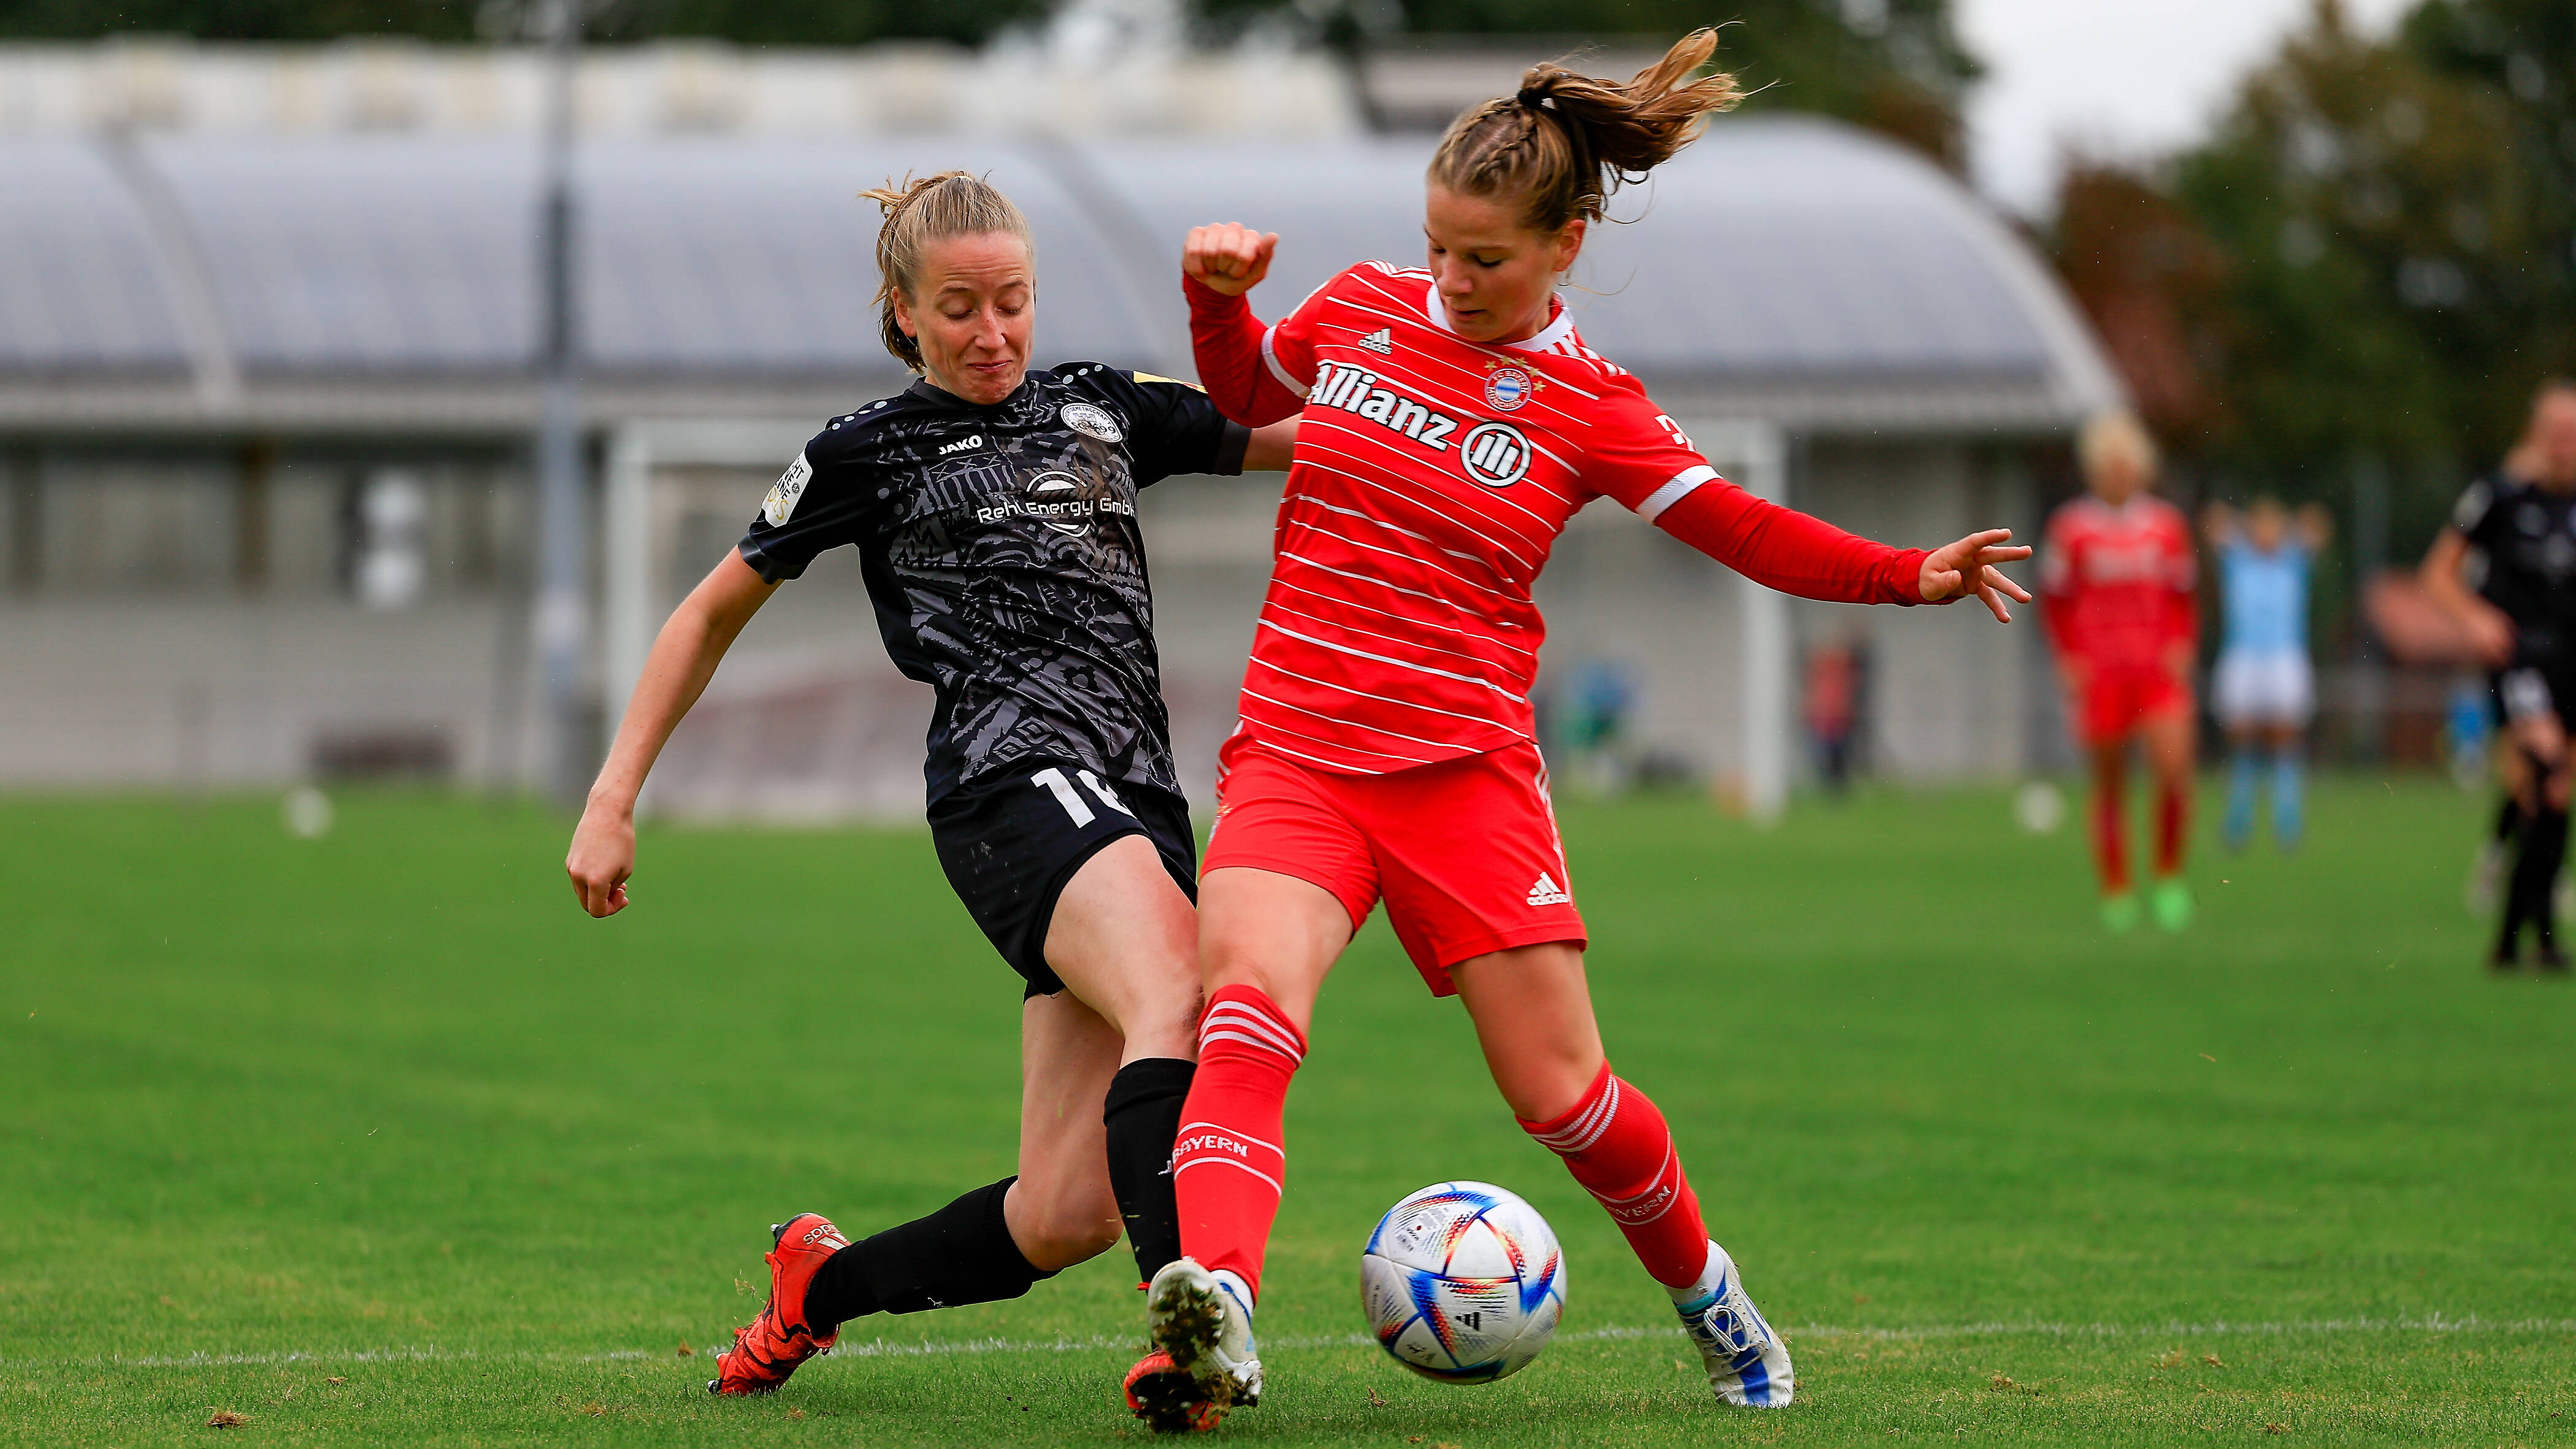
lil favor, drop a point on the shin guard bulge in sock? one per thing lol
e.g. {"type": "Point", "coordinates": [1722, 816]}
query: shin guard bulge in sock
{"type": "Point", "coordinates": [1143, 1115]}
{"type": "Point", "coordinates": [1617, 1145]}
{"type": "Point", "coordinates": [1228, 1166]}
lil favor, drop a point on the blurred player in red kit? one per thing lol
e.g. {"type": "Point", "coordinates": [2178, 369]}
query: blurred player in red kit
{"type": "Point", "coordinates": [1451, 422]}
{"type": "Point", "coordinates": [2118, 577]}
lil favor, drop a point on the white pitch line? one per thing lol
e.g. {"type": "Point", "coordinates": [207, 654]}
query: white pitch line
{"type": "Point", "coordinates": [1099, 1343]}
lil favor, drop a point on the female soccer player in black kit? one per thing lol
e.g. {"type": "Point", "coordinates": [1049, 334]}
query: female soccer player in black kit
{"type": "Point", "coordinates": [2522, 520]}
{"type": "Point", "coordinates": [994, 510]}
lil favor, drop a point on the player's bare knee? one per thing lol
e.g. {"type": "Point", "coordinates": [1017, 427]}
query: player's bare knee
{"type": "Point", "coordinates": [1063, 1237]}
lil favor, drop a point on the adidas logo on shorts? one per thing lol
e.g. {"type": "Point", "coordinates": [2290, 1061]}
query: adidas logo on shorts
{"type": "Point", "coordinates": [1381, 342]}
{"type": "Point", "coordinates": [1546, 892]}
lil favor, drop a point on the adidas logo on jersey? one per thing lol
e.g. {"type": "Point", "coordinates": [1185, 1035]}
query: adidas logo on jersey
{"type": "Point", "coordinates": [1355, 390]}
{"type": "Point", "coordinates": [1546, 892]}
{"type": "Point", "coordinates": [1381, 342]}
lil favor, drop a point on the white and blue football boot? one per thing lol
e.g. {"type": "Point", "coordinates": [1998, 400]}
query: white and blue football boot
{"type": "Point", "coordinates": [1748, 1361]}
{"type": "Point", "coordinates": [1203, 1320]}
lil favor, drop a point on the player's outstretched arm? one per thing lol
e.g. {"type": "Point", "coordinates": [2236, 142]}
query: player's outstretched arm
{"type": "Point", "coordinates": [2489, 631]}
{"type": "Point", "coordinates": [1958, 570]}
{"type": "Point", "coordinates": [684, 658]}
{"type": "Point", "coordinates": [1272, 448]}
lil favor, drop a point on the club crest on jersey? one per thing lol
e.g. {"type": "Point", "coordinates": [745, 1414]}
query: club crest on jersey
{"type": "Point", "coordinates": [1356, 390]}
{"type": "Point", "coordinates": [784, 494]}
{"type": "Point", "coordinates": [1506, 388]}
{"type": "Point", "coordinates": [1495, 454]}
{"type": "Point", "coordinates": [1082, 417]}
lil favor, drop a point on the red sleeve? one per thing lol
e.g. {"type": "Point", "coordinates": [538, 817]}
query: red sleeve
{"type": "Point", "coordinates": [1256, 375]}
{"type": "Point", "coordinates": [2057, 583]}
{"type": "Point", "coordinates": [1640, 457]}
{"type": "Point", "coordinates": [1781, 548]}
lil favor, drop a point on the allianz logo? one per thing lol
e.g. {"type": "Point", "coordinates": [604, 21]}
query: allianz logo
{"type": "Point", "coordinates": [963, 445]}
{"type": "Point", "coordinates": [1356, 390]}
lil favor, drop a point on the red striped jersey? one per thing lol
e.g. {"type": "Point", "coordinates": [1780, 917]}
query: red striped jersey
{"type": "Point", "coordinates": [1432, 477]}
{"type": "Point", "coordinates": [2119, 584]}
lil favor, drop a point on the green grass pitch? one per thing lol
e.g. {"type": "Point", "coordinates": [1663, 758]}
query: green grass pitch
{"type": "Point", "coordinates": [375, 1139]}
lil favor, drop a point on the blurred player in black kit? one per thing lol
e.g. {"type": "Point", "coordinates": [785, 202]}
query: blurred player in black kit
{"type": "Point", "coordinates": [2521, 522]}
{"type": "Point", "coordinates": [994, 510]}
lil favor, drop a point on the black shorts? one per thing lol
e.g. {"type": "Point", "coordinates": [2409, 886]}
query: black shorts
{"type": "Point", "coordinates": [2539, 681]}
{"type": "Point", "coordinates": [1010, 842]}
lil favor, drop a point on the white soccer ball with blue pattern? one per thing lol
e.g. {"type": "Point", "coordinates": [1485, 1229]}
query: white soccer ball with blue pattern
{"type": "Point", "coordinates": [1463, 1283]}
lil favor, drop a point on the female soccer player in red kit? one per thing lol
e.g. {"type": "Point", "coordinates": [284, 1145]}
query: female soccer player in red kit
{"type": "Point", "coordinates": [1451, 422]}
{"type": "Point", "coordinates": [2124, 621]}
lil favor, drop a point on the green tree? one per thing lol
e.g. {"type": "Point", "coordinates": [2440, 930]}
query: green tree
{"type": "Point", "coordinates": [2390, 221]}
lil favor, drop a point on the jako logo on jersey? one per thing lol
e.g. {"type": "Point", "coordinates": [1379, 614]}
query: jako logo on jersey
{"type": "Point", "coordinates": [1355, 390]}
{"type": "Point", "coordinates": [962, 445]}
{"type": "Point", "coordinates": [1495, 454]}
{"type": "Point", "coordinates": [1506, 388]}
{"type": "Point", "coordinates": [1082, 417]}
{"type": "Point", "coordinates": [1381, 342]}
{"type": "Point", "coordinates": [780, 505]}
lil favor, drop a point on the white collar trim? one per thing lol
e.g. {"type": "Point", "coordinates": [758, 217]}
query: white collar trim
{"type": "Point", "coordinates": [1554, 332]}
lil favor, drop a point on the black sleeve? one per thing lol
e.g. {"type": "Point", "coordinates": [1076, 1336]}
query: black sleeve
{"type": "Point", "coordinates": [2476, 507]}
{"type": "Point", "coordinates": [823, 500]}
{"type": "Point", "coordinates": [1176, 428]}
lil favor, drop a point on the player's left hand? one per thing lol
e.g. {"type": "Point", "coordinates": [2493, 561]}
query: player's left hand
{"type": "Point", "coordinates": [1954, 571]}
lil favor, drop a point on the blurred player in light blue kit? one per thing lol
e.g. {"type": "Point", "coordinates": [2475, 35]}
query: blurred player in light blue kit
{"type": "Point", "coordinates": [2265, 690]}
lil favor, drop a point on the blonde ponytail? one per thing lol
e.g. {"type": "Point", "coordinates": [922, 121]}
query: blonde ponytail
{"type": "Point", "coordinates": [1565, 141]}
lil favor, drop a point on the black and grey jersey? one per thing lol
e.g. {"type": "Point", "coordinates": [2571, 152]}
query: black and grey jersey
{"type": "Point", "coordinates": [2528, 537]}
{"type": "Point", "coordinates": [1001, 551]}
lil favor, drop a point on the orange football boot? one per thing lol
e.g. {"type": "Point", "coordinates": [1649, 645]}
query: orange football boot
{"type": "Point", "coordinates": [768, 1349]}
{"type": "Point", "coordinates": [1167, 1398]}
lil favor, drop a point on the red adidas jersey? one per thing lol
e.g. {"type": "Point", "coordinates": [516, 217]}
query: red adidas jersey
{"type": "Point", "coordinates": [1432, 477]}
{"type": "Point", "coordinates": [2119, 583]}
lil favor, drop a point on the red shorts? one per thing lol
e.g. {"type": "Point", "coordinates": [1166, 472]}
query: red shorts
{"type": "Point", "coordinates": [1464, 853]}
{"type": "Point", "coordinates": [2116, 700]}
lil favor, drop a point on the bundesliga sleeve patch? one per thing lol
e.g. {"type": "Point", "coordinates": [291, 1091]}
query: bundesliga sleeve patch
{"type": "Point", "coordinates": [784, 494]}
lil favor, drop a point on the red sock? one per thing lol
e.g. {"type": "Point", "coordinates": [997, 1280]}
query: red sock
{"type": "Point", "coordinates": [1616, 1145]}
{"type": "Point", "coordinates": [2173, 822]}
{"type": "Point", "coordinates": [2110, 840]}
{"type": "Point", "coordinates": [1228, 1166]}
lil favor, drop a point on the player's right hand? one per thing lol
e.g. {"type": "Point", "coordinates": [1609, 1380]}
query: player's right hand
{"type": "Point", "coordinates": [1228, 257]}
{"type": "Point", "coordinates": [2491, 633]}
{"type": "Point", "coordinates": [601, 858]}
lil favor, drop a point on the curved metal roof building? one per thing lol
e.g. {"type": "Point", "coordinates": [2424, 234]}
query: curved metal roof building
{"type": "Point", "coordinates": [1782, 268]}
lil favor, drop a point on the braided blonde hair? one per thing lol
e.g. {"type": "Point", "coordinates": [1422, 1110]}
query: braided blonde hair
{"type": "Point", "coordinates": [1564, 142]}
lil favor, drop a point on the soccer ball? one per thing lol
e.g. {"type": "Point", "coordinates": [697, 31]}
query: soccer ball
{"type": "Point", "coordinates": [1463, 1283]}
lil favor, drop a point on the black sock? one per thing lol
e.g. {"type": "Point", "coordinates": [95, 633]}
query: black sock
{"type": "Point", "coordinates": [2539, 850]}
{"type": "Point", "coordinates": [2508, 819]}
{"type": "Point", "coordinates": [961, 1254]}
{"type": "Point", "coordinates": [2544, 850]}
{"type": "Point", "coordinates": [1144, 1116]}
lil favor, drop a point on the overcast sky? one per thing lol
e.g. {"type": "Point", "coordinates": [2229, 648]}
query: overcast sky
{"type": "Point", "coordinates": [2129, 76]}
